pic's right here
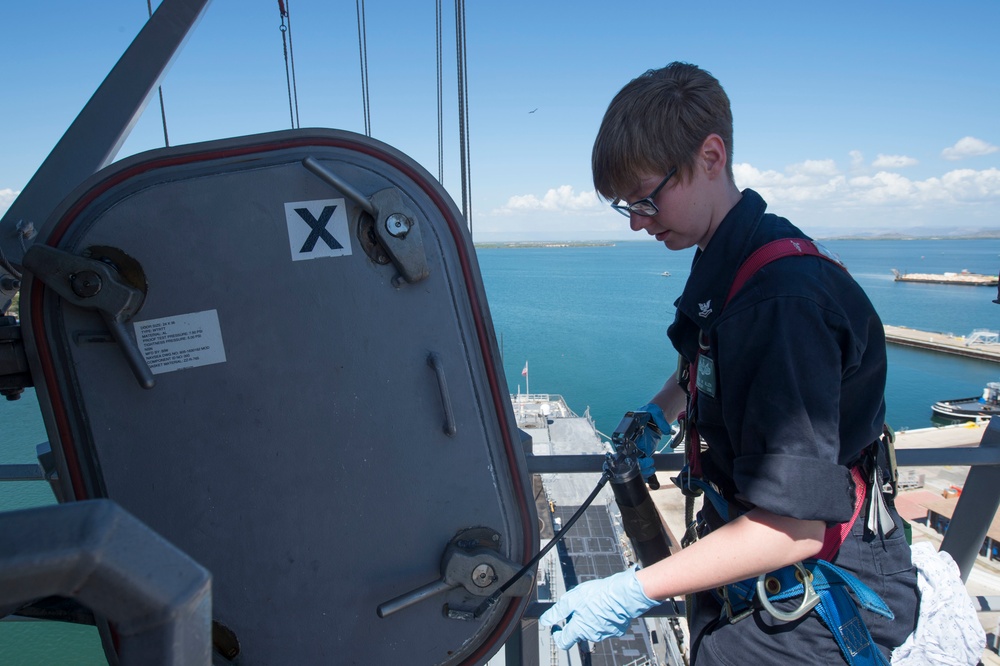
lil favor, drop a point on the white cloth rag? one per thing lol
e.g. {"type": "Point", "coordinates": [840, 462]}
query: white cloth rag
{"type": "Point", "coordinates": [948, 630]}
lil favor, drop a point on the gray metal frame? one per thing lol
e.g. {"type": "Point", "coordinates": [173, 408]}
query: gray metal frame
{"type": "Point", "coordinates": [93, 140]}
{"type": "Point", "coordinates": [977, 505]}
{"type": "Point", "coordinates": [158, 598]}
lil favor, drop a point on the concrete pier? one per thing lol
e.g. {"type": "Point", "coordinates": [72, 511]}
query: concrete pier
{"type": "Point", "coordinates": [942, 342]}
{"type": "Point", "coordinates": [963, 278]}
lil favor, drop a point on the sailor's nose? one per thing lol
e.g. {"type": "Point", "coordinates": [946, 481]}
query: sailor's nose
{"type": "Point", "coordinates": [638, 222]}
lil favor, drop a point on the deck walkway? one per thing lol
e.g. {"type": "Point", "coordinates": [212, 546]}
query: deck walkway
{"type": "Point", "coordinates": [942, 342]}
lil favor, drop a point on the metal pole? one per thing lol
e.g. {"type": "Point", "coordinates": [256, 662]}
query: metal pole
{"type": "Point", "coordinates": [976, 507]}
{"type": "Point", "coordinates": [93, 140]}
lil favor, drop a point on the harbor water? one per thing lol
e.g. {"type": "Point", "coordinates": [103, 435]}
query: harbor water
{"type": "Point", "coordinates": [590, 323]}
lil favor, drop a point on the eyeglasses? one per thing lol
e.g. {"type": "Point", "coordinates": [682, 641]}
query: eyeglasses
{"type": "Point", "coordinates": [644, 207]}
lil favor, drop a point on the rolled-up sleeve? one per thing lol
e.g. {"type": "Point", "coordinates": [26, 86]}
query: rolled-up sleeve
{"type": "Point", "coordinates": [781, 366]}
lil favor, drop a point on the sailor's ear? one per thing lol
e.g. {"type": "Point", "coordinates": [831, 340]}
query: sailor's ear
{"type": "Point", "coordinates": [713, 156]}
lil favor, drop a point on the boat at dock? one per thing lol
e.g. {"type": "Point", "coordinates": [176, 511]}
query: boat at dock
{"type": "Point", "coordinates": [962, 277]}
{"type": "Point", "coordinates": [971, 409]}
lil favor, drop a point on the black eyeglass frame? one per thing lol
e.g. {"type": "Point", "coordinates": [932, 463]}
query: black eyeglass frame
{"type": "Point", "coordinates": [645, 201]}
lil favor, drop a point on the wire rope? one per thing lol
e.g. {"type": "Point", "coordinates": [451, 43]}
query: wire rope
{"type": "Point", "coordinates": [291, 55]}
{"type": "Point", "coordinates": [463, 111]}
{"type": "Point", "coordinates": [292, 105]}
{"type": "Point", "coordinates": [363, 51]}
{"type": "Point", "coordinates": [440, 91]}
{"type": "Point", "coordinates": [493, 598]}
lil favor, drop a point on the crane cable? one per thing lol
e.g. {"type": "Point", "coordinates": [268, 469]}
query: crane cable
{"type": "Point", "coordinates": [363, 50]}
{"type": "Point", "coordinates": [163, 111]}
{"type": "Point", "coordinates": [289, 53]}
{"type": "Point", "coordinates": [463, 110]}
{"type": "Point", "coordinates": [440, 95]}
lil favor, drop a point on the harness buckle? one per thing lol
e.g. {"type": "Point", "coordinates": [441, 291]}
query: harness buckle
{"type": "Point", "coordinates": [809, 596]}
{"type": "Point", "coordinates": [727, 607]}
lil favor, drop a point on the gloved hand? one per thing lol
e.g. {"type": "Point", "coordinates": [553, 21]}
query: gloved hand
{"type": "Point", "coordinates": [648, 441]}
{"type": "Point", "coordinates": [597, 609]}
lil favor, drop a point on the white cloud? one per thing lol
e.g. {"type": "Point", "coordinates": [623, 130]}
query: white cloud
{"type": "Point", "coordinates": [814, 194]}
{"type": "Point", "coordinates": [561, 199]}
{"type": "Point", "coordinates": [893, 161]}
{"type": "Point", "coordinates": [968, 147]}
{"type": "Point", "coordinates": [814, 168]}
{"type": "Point", "coordinates": [815, 181]}
{"type": "Point", "coordinates": [969, 185]}
{"type": "Point", "coordinates": [7, 197]}
{"type": "Point", "coordinates": [812, 180]}
{"type": "Point", "coordinates": [857, 160]}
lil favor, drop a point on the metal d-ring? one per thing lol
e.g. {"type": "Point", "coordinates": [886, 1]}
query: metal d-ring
{"type": "Point", "coordinates": [809, 597]}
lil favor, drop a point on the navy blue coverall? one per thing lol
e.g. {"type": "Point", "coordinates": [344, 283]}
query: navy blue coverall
{"type": "Point", "coordinates": [796, 392]}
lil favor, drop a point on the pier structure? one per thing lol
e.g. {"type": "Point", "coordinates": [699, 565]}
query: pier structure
{"type": "Point", "coordinates": [964, 278]}
{"type": "Point", "coordinates": [971, 346]}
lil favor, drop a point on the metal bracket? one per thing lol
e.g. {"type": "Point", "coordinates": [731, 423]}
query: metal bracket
{"type": "Point", "coordinates": [471, 561]}
{"type": "Point", "coordinates": [94, 285]}
{"type": "Point", "coordinates": [395, 223]}
{"type": "Point", "coordinates": [399, 232]}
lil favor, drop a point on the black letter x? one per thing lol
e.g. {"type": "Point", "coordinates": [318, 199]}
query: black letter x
{"type": "Point", "coordinates": [318, 229]}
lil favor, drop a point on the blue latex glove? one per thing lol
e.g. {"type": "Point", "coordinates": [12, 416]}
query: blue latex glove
{"type": "Point", "coordinates": [597, 609]}
{"type": "Point", "coordinates": [648, 441]}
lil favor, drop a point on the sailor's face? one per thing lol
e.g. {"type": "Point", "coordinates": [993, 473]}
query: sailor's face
{"type": "Point", "coordinates": [681, 221]}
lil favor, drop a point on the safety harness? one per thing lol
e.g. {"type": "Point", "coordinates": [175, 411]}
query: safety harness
{"type": "Point", "coordinates": [820, 584]}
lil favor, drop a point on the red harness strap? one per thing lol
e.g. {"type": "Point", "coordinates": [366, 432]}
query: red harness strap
{"type": "Point", "coordinates": [765, 254]}
{"type": "Point", "coordinates": [778, 249]}
{"type": "Point", "coordinates": [835, 535]}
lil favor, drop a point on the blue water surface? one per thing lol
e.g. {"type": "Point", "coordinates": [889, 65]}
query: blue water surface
{"type": "Point", "coordinates": [591, 321]}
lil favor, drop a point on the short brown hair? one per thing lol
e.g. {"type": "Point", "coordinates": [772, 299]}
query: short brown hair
{"type": "Point", "coordinates": [658, 121]}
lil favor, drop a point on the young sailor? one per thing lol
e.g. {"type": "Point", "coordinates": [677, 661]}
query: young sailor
{"type": "Point", "coordinates": [786, 378]}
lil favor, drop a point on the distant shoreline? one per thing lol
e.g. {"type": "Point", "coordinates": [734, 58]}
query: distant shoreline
{"type": "Point", "coordinates": [984, 235]}
{"type": "Point", "coordinates": [523, 244]}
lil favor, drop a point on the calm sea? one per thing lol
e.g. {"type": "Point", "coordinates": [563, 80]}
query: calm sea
{"type": "Point", "coordinates": [591, 323]}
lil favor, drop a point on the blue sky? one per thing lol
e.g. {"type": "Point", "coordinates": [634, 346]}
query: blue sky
{"type": "Point", "coordinates": [850, 116]}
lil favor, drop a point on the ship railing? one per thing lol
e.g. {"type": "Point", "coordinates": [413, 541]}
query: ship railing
{"type": "Point", "coordinates": [527, 398]}
{"type": "Point", "coordinates": [982, 336]}
{"type": "Point", "coordinates": [963, 540]}
{"type": "Point", "coordinates": [966, 533]}
{"type": "Point", "coordinates": [970, 522]}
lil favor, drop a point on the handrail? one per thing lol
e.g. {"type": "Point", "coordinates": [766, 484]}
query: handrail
{"type": "Point", "coordinates": [159, 599]}
{"type": "Point", "coordinates": [976, 507]}
{"type": "Point", "coordinates": [672, 462]}
{"type": "Point", "coordinates": [970, 521]}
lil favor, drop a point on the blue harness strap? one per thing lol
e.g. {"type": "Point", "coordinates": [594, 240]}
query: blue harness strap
{"type": "Point", "coordinates": [836, 608]}
{"type": "Point", "coordinates": [841, 594]}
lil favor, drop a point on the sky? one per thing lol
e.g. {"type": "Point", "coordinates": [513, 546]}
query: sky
{"type": "Point", "coordinates": [850, 117]}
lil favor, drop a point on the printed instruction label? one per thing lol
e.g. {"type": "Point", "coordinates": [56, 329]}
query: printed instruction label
{"type": "Point", "coordinates": [182, 341]}
{"type": "Point", "coordinates": [317, 229]}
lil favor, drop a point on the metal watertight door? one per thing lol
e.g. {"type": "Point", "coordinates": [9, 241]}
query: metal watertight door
{"type": "Point", "coordinates": [276, 351]}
